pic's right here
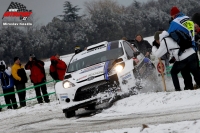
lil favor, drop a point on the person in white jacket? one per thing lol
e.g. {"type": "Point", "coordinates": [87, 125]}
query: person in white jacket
{"type": "Point", "coordinates": [186, 61]}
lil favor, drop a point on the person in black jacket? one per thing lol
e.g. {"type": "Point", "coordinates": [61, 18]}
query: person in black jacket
{"type": "Point", "coordinates": [143, 46]}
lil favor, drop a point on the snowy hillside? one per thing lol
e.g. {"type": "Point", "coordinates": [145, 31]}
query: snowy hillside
{"type": "Point", "coordinates": [163, 112]}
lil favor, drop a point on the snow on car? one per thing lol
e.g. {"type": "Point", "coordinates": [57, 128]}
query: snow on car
{"type": "Point", "coordinates": [103, 73]}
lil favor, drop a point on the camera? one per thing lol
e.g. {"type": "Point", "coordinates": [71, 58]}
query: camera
{"type": "Point", "coordinates": [2, 67]}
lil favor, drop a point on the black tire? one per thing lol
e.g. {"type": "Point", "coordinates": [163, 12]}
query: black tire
{"type": "Point", "coordinates": [91, 107]}
{"type": "Point", "coordinates": [70, 114]}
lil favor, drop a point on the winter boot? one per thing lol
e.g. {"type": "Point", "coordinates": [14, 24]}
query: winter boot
{"type": "Point", "coordinates": [9, 107]}
{"type": "Point", "coordinates": [196, 86]}
{"type": "Point", "coordinates": [15, 106]}
{"type": "Point", "coordinates": [40, 101]}
{"type": "Point", "coordinates": [188, 88]}
{"type": "Point", "coordinates": [177, 89]}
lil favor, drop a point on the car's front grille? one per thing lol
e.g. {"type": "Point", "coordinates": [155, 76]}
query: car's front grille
{"type": "Point", "coordinates": [90, 90]}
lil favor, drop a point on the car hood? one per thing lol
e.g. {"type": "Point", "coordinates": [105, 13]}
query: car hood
{"type": "Point", "coordinates": [88, 73]}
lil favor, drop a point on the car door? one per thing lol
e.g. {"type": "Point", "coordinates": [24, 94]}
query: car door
{"type": "Point", "coordinates": [142, 64]}
{"type": "Point", "coordinates": [126, 77]}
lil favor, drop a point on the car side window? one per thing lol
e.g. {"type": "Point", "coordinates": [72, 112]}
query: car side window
{"type": "Point", "coordinates": [128, 49]}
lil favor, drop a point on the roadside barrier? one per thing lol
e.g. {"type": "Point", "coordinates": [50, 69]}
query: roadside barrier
{"type": "Point", "coordinates": [168, 69]}
{"type": "Point", "coordinates": [29, 88]}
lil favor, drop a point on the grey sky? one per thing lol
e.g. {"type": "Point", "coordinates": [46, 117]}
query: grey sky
{"type": "Point", "coordinates": [45, 10]}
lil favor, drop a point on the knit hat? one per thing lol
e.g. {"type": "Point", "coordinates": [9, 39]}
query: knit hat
{"type": "Point", "coordinates": [156, 35]}
{"type": "Point", "coordinates": [174, 11]}
{"type": "Point", "coordinates": [196, 18]}
{"type": "Point", "coordinates": [16, 58]}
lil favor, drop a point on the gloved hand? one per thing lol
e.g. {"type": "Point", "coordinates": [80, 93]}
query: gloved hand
{"type": "Point", "coordinates": [172, 60]}
{"type": "Point", "coordinates": [135, 54]}
{"type": "Point", "coordinates": [53, 62]}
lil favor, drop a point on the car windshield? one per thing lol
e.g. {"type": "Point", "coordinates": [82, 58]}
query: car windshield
{"type": "Point", "coordinates": [95, 59]}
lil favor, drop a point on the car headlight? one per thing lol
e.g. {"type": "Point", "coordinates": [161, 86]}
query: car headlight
{"type": "Point", "coordinates": [117, 68]}
{"type": "Point", "coordinates": [67, 84]}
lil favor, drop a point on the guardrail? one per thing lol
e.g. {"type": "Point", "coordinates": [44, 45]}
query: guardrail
{"type": "Point", "coordinates": [168, 69]}
{"type": "Point", "coordinates": [29, 88]}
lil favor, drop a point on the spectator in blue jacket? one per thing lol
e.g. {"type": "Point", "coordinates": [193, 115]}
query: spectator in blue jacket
{"type": "Point", "coordinates": [181, 22]}
{"type": "Point", "coordinates": [7, 83]}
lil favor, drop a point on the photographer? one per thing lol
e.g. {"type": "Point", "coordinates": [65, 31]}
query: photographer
{"type": "Point", "coordinates": [57, 68]}
{"type": "Point", "coordinates": [38, 77]}
{"type": "Point", "coordinates": [7, 83]}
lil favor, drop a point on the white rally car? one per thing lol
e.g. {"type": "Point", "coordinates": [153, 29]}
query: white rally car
{"type": "Point", "coordinates": [102, 73]}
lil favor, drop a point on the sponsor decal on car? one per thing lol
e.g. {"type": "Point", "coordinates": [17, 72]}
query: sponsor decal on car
{"type": "Point", "coordinates": [90, 78]}
{"type": "Point", "coordinates": [63, 97]}
{"type": "Point", "coordinates": [96, 73]}
{"type": "Point", "coordinates": [96, 48]}
{"type": "Point", "coordinates": [92, 68]}
{"type": "Point", "coordinates": [126, 76]}
{"type": "Point", "coordinates": [81, 78]}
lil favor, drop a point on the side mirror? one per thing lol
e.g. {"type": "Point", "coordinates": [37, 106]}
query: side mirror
{"type": "Point", "coordinates": [135, 54]}
{"type": "Point", "coordinates": [68, 76]}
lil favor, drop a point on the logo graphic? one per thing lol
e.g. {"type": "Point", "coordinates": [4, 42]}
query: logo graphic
{"type": "Point", "coordinates": [90, 78]}
{"type": "Point", "coordinates": [16, 9]}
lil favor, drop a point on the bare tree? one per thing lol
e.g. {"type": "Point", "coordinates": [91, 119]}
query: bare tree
{"type": "Point", "coordinates": [93, 6]}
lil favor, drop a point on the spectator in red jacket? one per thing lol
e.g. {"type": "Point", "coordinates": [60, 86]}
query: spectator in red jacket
{"type": "Point", "coordinates": [57, 68]}
{"type": "Point", "coordinates": [38, 77]}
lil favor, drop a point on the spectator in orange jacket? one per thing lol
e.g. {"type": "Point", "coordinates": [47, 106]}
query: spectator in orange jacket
{"type": "Point", "coordinates": [57, 68]}
{"type": "Point", "coordinates": [38, 77]}
{"type": "Point", "coordinates": [20, 79]}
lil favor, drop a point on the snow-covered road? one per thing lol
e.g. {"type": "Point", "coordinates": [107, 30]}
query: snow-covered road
{"type": "Point", "coordinates": [150, 109]}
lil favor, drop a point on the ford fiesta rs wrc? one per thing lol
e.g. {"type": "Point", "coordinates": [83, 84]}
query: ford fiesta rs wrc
{"type": "Point", "coordinates": [103, 73]}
